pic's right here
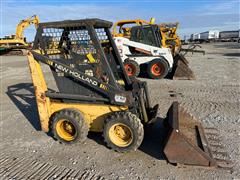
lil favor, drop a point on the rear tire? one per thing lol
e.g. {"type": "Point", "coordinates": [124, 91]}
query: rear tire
{"type": "Point", "coordinates": [123, 131]}
{"type": "Point", "coordinates": [157, 69]}
{"type": "Point", "coordinates": [68, 126]}
{"type": "Point", "coordinates": [131, 67]}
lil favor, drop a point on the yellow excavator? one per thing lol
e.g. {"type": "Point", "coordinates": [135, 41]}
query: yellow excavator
{"type": "Point", "coordinates": [169, 39]}
{"type": "Point", "coordinates": [16, 44]}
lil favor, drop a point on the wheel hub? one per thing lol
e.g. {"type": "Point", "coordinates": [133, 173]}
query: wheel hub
{"type": "Point", "coordinates": [130, 69]}
{"type": "Point", "coordinates": [121, 135]}
{"type": "Point", "coordinates": [66, 130]}
{"type": "Point", "coordinates": [157, 69]}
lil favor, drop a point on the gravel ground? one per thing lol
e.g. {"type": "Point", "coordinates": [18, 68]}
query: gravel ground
{"type": "Point", "coordinates": [213, 98]}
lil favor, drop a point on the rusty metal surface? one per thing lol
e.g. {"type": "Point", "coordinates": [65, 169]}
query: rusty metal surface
{"type": "Point", "coordinates": [181, 70]}
{"type": "Point", "coordinates": [186, 142]}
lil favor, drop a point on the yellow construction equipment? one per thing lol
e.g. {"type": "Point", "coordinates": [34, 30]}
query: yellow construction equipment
{"type": "Point", "coordinates": [94, 93]}
{"type": "Point", "coordinates": [169, 39]}
{"type": "Point", "coordinates": [168, 31]}
{"type": "Point", "coordinates": [120, 31]}
{"type": "Point", "coordinates": [15, 44]}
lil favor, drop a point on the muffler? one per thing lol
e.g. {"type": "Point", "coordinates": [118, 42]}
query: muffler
{"type": "Point", "coordinates": [186, 142]}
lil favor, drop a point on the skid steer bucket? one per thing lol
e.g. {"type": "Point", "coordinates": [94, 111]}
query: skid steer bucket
{"type": "Point", "coordinates": [186, 142]}
{"type": "Point", "coordinates": [181, 70]}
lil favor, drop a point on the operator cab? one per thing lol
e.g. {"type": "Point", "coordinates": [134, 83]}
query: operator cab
{"type": "Point", "coordinates": [87, 46]}
{"type": "Point", "coordinates": [146, 34]}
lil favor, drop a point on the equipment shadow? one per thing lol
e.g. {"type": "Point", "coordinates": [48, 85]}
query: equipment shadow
{"type": "Point", "coordinates": [97, 137]}
{"type": "Point", "coordinates": [153, 142]}
{"type": "Point", "coordinates": [228, 45]}
{"type": "Point", "coordinates": [22, 95]}
{"type": "Point", "coordinates": [145, 76]}
{"type": "Point", "coordinates": [232, 54]}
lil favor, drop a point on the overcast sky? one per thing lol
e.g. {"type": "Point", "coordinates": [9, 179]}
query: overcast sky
{"type": "Point", "coordinates": [194, 16]}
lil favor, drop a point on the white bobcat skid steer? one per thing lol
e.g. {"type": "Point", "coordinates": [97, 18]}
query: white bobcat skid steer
{"type": "Point", "coordinates": [156, 62]}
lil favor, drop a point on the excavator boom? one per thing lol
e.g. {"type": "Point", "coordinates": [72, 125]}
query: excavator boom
{"type": "Point", "coordinates": [23, 24]}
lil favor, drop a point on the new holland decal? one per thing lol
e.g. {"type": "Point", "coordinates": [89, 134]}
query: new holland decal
{"type": "Point", "coordinates": [76, 74]}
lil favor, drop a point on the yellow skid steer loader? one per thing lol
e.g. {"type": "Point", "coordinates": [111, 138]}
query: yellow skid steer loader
{"type": "Point", "coordinates": [94, 93]}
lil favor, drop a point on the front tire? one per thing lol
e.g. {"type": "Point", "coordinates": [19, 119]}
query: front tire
{"type": "Point", "coordinates": [123, 131]}
{"type": "Point", "coordinates": [68, 126]}
{"type": "Point", "coordinates": [157, 69]}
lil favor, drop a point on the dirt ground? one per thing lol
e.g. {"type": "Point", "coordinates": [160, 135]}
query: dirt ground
{"type": "Point", "coordinates": [213, 98]}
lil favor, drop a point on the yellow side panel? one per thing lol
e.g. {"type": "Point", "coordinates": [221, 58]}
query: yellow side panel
{"type": "Point", "coordinates": [43, 102]}
{"type": "Point", "coordinates": [94, 114]}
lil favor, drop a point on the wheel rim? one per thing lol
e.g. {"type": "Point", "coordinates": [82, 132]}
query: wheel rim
{"type": "Point", "coordinates": [130, 69]}
{"type": "Point", "coordinates": [120, 135]}
{"type": "Point", "coordinates": [157, 69]}
{"type": "Point", "coordinates": [65, 130]}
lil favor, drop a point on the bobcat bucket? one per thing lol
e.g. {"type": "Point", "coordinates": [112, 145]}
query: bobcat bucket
{"type": "Point", "coordinates": [181, 70]}
{"type": "Point", "coordinates": [186, 142]}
